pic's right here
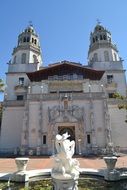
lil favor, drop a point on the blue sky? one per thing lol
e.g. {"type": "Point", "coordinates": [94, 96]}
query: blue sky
{"type": "Point", "coordinates": [63, 26]}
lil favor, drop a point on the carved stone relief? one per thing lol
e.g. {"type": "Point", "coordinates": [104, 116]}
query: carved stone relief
{"type": "Point", "coordinates": [72, 111]}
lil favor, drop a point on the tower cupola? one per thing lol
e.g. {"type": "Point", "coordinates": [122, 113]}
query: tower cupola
{"type": "Point", "coordinates": [28, 37]}
{"type": "Point", "coordinates": [101, 46]}
{"type": "Point", "coordinates": [26, 56]}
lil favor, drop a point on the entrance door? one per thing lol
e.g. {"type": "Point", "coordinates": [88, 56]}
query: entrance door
{"type": "Point", "coordinates": [69, 129]}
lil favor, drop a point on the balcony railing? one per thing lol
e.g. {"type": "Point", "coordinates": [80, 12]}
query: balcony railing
{"type": "Point", "coordinates": [15, 103]}
{"type": "Point", "coordinates": [20, 86]}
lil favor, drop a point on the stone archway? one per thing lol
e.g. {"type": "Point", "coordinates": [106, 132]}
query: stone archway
{"type": "Point", "coordinates": [69, 129]}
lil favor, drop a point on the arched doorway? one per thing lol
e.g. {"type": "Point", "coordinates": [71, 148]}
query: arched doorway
{"type": "Point", "coordinates": [69, 129]}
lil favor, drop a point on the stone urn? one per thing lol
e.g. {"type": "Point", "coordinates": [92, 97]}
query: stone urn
{"type": "Point", "coordinates": [21, 163]}
{"type": "Point", "coordinates": [110, 162]}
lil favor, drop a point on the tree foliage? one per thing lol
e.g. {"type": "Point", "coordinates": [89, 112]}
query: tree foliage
{"type": "Point", "coordinates": [1, 111]}
{"type": "Point", "coordinates": [123, 104]}
{"type": "Point", "coordinates": [1, 106]}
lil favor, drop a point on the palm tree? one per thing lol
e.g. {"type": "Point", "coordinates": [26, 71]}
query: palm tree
{"type": "Point", "coordinates": [1, 85]}
{"type": "Point", "coordinates": [1, 106]}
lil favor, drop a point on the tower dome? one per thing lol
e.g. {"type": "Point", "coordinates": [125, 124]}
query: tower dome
{"type": "Point", "coordinates": [101, 46]}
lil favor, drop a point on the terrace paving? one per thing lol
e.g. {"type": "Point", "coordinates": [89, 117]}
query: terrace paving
{"type": "Point", "coordinates": [8, 164]}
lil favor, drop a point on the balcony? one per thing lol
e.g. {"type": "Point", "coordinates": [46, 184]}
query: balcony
{"type": "Point", "coordinates": [13, 103]}
{"type": "Point", "coordinates": [20, 89]}
{"type": "Point", "coordinates": [111, 86]}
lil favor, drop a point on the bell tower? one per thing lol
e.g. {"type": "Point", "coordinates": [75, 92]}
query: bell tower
{"type": "Point", "coordinates": [101, 47]}
{"type": "Point", "coordinates": [26, 57]}
{"type": "Point", "coordinates": [103, 55]}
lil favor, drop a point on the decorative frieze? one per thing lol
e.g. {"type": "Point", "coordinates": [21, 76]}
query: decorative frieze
{"type": "Point", "coordinates": [73, 111]}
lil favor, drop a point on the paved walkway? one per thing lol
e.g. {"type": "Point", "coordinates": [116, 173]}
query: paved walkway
{"type": "Point", "coordinates": [8, 164]}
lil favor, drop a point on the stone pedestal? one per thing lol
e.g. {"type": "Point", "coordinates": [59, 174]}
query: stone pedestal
{"type": "Point", "coordinates": [20, 177]}
{"type": "Point", "coordinates": [62, 184]}
{"type": "Point", "coordinates": [110, 162]}
{"type": "Point", "coordinates": [21, 164]}
{"type": "Point", "coordinates": [21, 174]}
{"type": "Point", "coordinates": [22, 151]}
{"type": "Point", "coordinates": [38, 151]}
{"type": "Point", "coordinates": [30, 152]}
{"type": "Point", "coordinates": [111, 174]}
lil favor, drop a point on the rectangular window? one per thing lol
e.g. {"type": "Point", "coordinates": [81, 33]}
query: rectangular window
{"type": "Point", "coordinates": [109, 79]}
{"type": "Point", "coordinates": [111, 95]}
{"type": "Point", "coordinates": [65, 104]}
{"type": "Point", "coordinates": [44, 139]}
{"type": "Point", "coordinates": [88, 139]}
{"type": "Point", "coordinates": [21, 80]}
{"type": "Point", "coordinates": [20, 97]}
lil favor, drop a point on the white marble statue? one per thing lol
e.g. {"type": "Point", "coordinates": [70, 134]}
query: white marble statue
{"type": "Point", "coordinates": [65, 167]}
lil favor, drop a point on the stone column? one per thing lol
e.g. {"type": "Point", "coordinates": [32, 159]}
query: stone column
{"type": "Point", "coordinates": [38, 151]}
{"type": "Point", "coordinates": [25, 131]}
{"type": "Point", "coordinates": [79, 146]}
{"type": "Point", "coordinates": [53, 147]}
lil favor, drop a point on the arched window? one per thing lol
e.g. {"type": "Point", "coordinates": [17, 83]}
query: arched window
{"type": "Point", "coordinates": [24, 39]}
{"type": "Point", "coordinates": [106, 55]}
{"type": "Point", "coordinates": [35, 41]}
{"type": "Point", "coordinates": [23, 59]}
{"type": "Point", "coordinates": [96, 38]}
{"type": "Point", "coordinates": [44, 139]}
{"type": "Point", "coordinates": [101, 37]}
{"type": "Point", "coordinates": [95, 57]}
{"type": "Point", "coordinates": [28, 39]}
{"type": "Point", "coordinates": [35, 59]}
{"type": "Point", "coordinates": [32, 40]}
{"type": "Point", "coordinates": [93, 40]}
{"type": "Point", "coordinates": [104, 37]}
{"type": "Point", "coordinates": [14, 60]}
{"type": "Point", "coordinates": [115, 57]}
{"type": "Point", "coordinates": [88, 139]}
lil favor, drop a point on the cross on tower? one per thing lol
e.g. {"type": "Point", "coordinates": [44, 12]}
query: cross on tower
{"type": "Point", "coordinates": [98, 22]}
{"type": "Point", "coordinates": [30, 23]}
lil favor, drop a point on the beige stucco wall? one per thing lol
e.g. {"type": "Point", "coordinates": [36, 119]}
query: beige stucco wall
{"type": "Point", "coordinates": [118, 126]}
{"type": "Point", "coordinates": [11, 127]}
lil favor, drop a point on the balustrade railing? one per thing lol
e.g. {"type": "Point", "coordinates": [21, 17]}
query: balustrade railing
{"type": "Point", "coordinates": [14, 103]}
{"type": "Point", "coordinates": [55, 96]}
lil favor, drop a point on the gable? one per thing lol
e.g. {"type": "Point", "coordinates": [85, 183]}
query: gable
{"type": "Point", "coordinates": [65, 71]}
